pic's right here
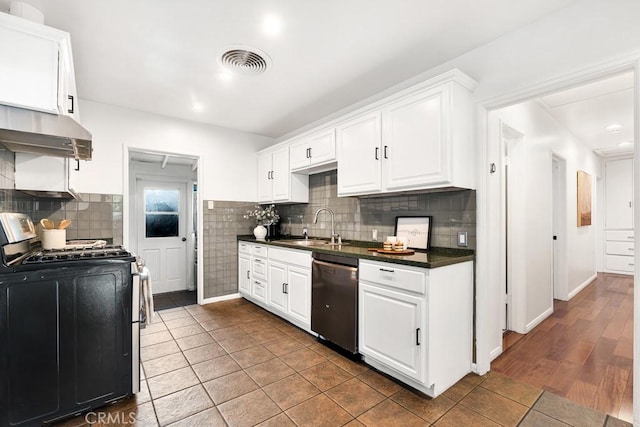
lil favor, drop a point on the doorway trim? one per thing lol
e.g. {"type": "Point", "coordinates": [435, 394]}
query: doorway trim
{"type": "Point", "coordinates": [559, 188]}
{"type": "Point", "coordinates": [488, 269]}
{"type": "Point", "coordinates": [127, 151]}
{"type": "Point", "coordinates": [513, 297]}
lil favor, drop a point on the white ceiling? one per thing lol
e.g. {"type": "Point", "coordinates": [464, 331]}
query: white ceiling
{"type": "Point", "coordinates": [587, 111]}
{"type": "Point", "coordinates": [160, 56]}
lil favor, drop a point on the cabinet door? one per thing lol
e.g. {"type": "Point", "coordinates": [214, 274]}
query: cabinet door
{"type": "Point", "coordinates": [30, 357]}
{"type": "Point", "coordinates": [414, 141]}
{"type": "Point", "coordinates": [94, 332]}
{"type": "Point", "coordinates": [390, 329]}
{"type": "Point", "coordinates": [619, 194]}
{"type": "Point", "coordinates": [244, 275]}
{"type": "Point", "coordinates": [359, 153]}
{"type": "Point", "coordinates": [299, 155]}
{"type": "Point", "coordinates": [41, 173]}
{"type": "Point", "coordinates": [264, 177]}
{"type": "Point", "coordinates": [299, 293]}
{"type": "Point", "coordinates": [67, 95]}
{"type": "Point", "coordinates": [322, 147]}
{"type": "Point", "coordinates": [29, 75]}
{"type": "Point", "coordinates": [280, 174]}
{"type": "Point", "coordinates": [276, 296]}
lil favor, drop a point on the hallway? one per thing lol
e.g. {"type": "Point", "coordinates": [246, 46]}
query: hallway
{"type": "Point", "coordinates": [583, 351]}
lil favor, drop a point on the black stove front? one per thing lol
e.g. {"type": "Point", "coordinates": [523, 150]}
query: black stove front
{"type": "Point", "coordinates": [69, 326]}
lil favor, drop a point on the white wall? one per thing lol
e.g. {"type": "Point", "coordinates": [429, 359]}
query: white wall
{"type": "Point", "coordinates": [584, 33]}
{"type": "Point", "coordinates": [228, 158]}
{"type": "Point", "coordinates": [532, 213]}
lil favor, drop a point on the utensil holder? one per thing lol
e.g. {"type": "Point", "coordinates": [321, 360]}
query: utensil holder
{"type": "Point", "coordinates": [54, 239]}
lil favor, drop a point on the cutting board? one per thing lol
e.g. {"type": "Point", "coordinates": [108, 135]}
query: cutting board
{"type": "Point", "coordinates": [392, 252]}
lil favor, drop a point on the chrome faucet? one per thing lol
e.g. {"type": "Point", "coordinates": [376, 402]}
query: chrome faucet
{"type": "Point", "coordinates": [333, 225]}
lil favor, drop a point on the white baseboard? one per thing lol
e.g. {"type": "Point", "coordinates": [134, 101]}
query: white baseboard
{"type": "Point", "coordinates": [218, 299]}
{"type": "Point", "coordinates": [495, 352]}
{"type": "Point", "coordinates": [535, 322]}
{"type": "Point", "coordinates": [583, 285]}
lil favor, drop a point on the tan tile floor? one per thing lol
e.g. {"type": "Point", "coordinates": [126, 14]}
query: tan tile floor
{"type": "Point", "coordinates": [234, 364]}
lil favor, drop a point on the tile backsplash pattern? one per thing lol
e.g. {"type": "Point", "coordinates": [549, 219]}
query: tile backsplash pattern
{"type": "Point", "coordinates": [222, 225]}
{"type": "Point", "coordinates": [356, 218]}
{"type": "Point", "coordinates": [94, 216]}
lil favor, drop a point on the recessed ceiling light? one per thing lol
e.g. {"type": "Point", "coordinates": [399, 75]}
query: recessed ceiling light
{"type": "Point", "coordinates": [272, 25]}
{"type": "Point", "coordinates": [614, 128]}
{"type": "Point", "coordinates": [198, 107]}
{"type": "Point", "coordinates": [625, 144]}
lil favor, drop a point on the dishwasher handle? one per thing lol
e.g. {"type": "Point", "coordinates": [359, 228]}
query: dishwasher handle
{"type": "Point", "coordinates": [334, 265]}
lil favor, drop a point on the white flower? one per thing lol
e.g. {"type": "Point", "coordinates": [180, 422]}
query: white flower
{"type": "Point", "coordinates": [266, 216]}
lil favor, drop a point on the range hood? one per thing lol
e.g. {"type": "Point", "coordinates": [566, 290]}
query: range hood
{"type": "Point", "coordinates": [35, 132]}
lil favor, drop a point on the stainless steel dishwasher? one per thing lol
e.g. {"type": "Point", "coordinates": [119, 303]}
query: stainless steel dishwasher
{"type": "Point", "coordinates": [334, 299]}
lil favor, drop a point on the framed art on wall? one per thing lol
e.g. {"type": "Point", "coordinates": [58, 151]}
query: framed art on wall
{"type": "Point", "coordinates": [584, 199]}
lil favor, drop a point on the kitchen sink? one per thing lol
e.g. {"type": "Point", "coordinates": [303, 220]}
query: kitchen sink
{"type": "Point", "coordinates": [309, 242]}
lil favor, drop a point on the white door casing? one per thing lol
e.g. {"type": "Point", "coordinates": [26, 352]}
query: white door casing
{"type": "Point", "coordinates": [559, 187]}
{"type": "Point", "coordinates": [165, 256]}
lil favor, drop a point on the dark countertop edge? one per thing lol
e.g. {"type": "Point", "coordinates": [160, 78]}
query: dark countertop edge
{"type": "Point", "coordinates": [445, 256]}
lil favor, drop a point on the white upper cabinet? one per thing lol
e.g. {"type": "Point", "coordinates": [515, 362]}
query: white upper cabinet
{"type": "Point", "coordinates": [358, 151]}
{"type": "Point", "coordinates": [67, 94]}
{"type": "Point", "coordinates": [619, 194]}
{"type": "Point", "coordinates": [418, 140]}
{"type": "Point", "coordinates": [414, 151]}
{"type": "Point", "coordinates": [276, 184]}
{"type": "Point", "coordinates": [314, 153]}
{"type": "Point", "coordinates": [36, 71]}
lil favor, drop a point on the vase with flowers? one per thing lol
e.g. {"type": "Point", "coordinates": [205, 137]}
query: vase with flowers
{"type": "Point", "coordinates": [264, 217]}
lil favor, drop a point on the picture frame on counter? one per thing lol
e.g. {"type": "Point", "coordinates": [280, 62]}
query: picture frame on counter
{"type": "Point", "coordinates": [416, 230]}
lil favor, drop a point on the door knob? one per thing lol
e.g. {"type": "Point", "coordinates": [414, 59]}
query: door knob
{"type": "Point", "coordinates": [184, 239]}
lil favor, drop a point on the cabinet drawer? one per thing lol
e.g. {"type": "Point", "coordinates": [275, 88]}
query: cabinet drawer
{"type": "Point", "coordinates": [619, 235]}
{"type": "Point", "coordinates": [244, 248]}
{"type": "Point", "coordinates": [259, 268]}
{"type": "Point", "coordinates": [620, 263]}
{"type": "Point", "coordinates": [394, 276]}
{"type": "Point", "coordinates": [620, 248]}
{"type": "Point", "coordinates": [296, 257]}
{"type": "Point", "coordinates": [259, 250]}
{"type": "Point", "coordinates": [258, 290]}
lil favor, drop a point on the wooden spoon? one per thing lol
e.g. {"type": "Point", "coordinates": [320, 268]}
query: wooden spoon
{"type": "Point", "coordinates": [47, 224]}
{"type": "Point", "coordinates": [64, 224]}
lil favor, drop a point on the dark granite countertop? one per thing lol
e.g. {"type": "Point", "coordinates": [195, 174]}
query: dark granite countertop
{"type": "Point", "coordinates": [436, 257]}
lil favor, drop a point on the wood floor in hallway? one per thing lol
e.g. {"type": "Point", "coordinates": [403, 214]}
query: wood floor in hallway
{"type": "Point", "coordinates": [583, 351]}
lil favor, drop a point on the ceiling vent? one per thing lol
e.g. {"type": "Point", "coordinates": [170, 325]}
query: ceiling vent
{"type": "Point", "coordinates": [244, 59]}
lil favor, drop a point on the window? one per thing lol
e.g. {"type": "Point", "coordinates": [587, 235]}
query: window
{"type": "Point", "coordinates": [161, 212]}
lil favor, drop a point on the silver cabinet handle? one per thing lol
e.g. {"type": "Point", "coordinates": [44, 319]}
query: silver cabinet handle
{"type": "Point", "coordinates": [248, 275]}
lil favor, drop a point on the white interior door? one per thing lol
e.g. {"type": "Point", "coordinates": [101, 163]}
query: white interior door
{"type": "Point", "coordinates": [162, 243]}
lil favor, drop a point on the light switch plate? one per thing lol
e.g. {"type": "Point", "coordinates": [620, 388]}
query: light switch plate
{"type": "Point", "coordinates": [210, 204]}
{"type": "Point", "coordinates": [462, 239]}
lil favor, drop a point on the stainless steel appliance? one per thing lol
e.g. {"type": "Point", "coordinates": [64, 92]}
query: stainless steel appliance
{"type": "Point", "coordinates": [334, 299]}
{"type": "Point", "coordinates": [69, 326]}
{"type": "Point", "coordinates": [44, 134]}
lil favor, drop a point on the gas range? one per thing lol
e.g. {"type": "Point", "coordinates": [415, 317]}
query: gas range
{"type": "Point", "coordinates": [106, 252]}
{"type": "Point", "coordinates": [21, 251]}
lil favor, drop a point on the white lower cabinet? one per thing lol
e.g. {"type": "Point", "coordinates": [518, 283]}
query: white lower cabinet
{"type": "Point", "coordinates": [415, 324]}
{"type": "Point", "coordinates": [619, 251]}
{"type": "Point", "coordinates": [278, 279]}
{"type": "Point", "coordinates": [244, 274]}
{"type": "Point", "coordinates": [391, 328]}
